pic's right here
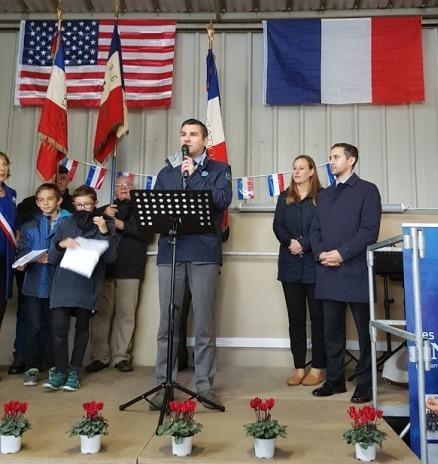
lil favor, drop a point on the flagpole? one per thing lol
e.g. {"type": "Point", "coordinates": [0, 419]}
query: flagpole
{"type": "Point", "coordinates": [59, 23]}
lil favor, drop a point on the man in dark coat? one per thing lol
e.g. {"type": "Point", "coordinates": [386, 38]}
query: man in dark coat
{"type": "Point", "coordinates": [112, 329]}
{"type": "Point", "coordinates": [347, 220]}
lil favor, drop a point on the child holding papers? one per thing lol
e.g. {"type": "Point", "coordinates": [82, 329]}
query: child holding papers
{"type": "Point", "coordinates": [37, 235]}
{"type": "Point", "coordinates": [74, 294]}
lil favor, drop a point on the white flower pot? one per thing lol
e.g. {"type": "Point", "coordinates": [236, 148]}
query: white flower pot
{"type": "Point", "coordinates": [90, 445]}
{"type": "Point", "coordinates": [10, 444]}
{"type": "Point", "coordinates": [363, 454]}
{"type": "Point", "coordinates": [264, 447]}
{"type": "Point", "coordinates": [182, 449]}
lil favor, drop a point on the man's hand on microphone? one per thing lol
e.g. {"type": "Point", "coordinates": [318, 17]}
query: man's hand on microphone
{"type": "Point", "coordinates": [187, 166]}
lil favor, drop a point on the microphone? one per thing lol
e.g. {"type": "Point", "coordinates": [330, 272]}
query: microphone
{"type": "Point", "coordinates": [185, 152]}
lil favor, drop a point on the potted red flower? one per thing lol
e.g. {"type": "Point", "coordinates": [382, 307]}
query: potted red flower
{"type": "Point", "coordinates": [91, 427]}
{"type": "Point", "coordinates": [264, 429]}
{"type": "Point", "coordinates": [181, 425]}
{"type": "Point", "coordinates": [12, 426]}
{"type": "Point", "coordinates": [364, 434]}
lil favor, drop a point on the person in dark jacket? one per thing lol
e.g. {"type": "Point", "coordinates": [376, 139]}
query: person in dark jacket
{"type": "Point", "coordinates": [296, 269]}
{"type": "Point", "coordinates": [347, 220]}
{"type": "Point", "coordinates": [198, 256]}
{"type": "Point", "coordinates": [112, 329]}
{"type": "Point", "coordinates": [74, 294]}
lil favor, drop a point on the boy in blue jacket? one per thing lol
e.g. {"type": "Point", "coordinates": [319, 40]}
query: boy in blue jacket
{"type": "Point", "coordinates": [37, 234]}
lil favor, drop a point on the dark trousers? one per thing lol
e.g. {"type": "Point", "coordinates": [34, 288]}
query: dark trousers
{"type": "Point", "coordinates": [38, 340]}
{"type": "Point", "coordinates": [60, 328]}
{"type": "Point", "coordinates": [296, 294]}
{"type": "Point", "coordinates": [183, 354]}
{"type": "Point", "coordinates": [21, 327]}
{"type": "Point", "coordinates": [335, 338]}
{"type": "Point", "coordinates": [3, 289]}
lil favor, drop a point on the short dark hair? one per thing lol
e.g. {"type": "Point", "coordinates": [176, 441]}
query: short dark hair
{"type": "Point", "coordinates": [85, 191]}
{"type": "Point", "coordinates": [49, 186]}
{"type": "Point", "coordinates": [349, 150]}
{"type": "Point", "coordinates": [62, 169]}
{"type": "Point", "coordinates": [196, 122]}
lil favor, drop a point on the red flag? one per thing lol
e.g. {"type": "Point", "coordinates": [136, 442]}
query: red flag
{"type": "Point", "coordinates": [52, 127]}
{"type": "Point", "coordinates": [112, 122]}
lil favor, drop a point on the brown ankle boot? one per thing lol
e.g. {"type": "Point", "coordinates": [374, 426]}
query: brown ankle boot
{"type": "Point", "coordinates": [295, 379]}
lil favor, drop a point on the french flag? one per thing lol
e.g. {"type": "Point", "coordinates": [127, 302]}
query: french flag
{"type": "Point", "coordinates": [331, 179]}
{"type": "Point", "coordinates": [112, 122]}
{"type": "Point", "coordinates": [245, 188]}
{"type": "Point", "coordinates": [71, 165]}
{"type": "Point", "coordinates": [95, 177]}
{"type": "Point", "coordinates": [339, 61]}
{"type": "Point", "coordinates": [52, 127]}
{"type": "Point", "coordinates": [276, 184]}
{"type": "Point", "coordinates": [149, 182]}
{"type": "Point", "coordinates": [131, 175]}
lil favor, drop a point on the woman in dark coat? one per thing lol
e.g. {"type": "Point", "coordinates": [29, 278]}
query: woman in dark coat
{"type": "Point", "coordinates": [296, 269]}
{"type": "Point", "coordinates": [8, 244]}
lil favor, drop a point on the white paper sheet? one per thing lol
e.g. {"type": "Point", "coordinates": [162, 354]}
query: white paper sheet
{"type": "Point", "coordinates": [30, 257]}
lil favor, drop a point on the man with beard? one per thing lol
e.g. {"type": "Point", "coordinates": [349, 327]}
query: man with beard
{"type": "Point", "coordinates": [112, 329]}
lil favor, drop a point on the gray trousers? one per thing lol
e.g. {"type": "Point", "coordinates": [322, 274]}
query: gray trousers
{"type": "Point", "coordinates": [203, 281]}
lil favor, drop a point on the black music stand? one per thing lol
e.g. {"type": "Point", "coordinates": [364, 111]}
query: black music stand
{"type": "Point", "coordinates": [173, 212]}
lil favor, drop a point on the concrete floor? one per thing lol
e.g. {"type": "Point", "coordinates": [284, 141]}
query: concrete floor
{"type": "Point", "coordinates": [315, 425]}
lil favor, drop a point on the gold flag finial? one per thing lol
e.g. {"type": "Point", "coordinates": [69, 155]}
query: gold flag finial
{"type": "Point", "coordinates": [210, 33]}
{"type": "Point", "coordinates": [59, 14]}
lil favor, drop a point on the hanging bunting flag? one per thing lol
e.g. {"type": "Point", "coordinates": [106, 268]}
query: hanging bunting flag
{"type": "Point", "coordinates": [276, 184]}
{"type": "Point", "coordinates": [131, 175]}
{"type": "Point", "coordinates": [149, 182]}
{"type": "Point", "coordinates": [95, 177]}
{"type": "Point", "coordinates": [112, 122]}
{"type": "Point", "coordinates": [71, 165]}
{"type": "Point", "coordinates": [245, 188]}
{"type": "Point", "coordinates": [52, 128]}
{"type": "Point", "coordinates": [330, 177]}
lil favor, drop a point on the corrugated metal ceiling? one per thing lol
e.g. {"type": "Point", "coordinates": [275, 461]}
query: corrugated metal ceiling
{"type": "Point", "coordinates": [220, 10]}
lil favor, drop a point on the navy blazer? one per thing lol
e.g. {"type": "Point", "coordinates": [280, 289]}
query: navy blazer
{"type": "Point", "coordinates": [347, 219]}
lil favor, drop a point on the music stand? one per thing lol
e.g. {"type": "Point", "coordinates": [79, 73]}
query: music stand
{"type": "Point", "coordinates": [173, 212]}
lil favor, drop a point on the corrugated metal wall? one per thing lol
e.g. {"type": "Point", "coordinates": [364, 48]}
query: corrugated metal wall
{"type": "Point", "coordinates": [398, 144]}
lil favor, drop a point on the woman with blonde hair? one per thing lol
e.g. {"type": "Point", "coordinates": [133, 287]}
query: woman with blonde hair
{"type": "Point", "coordinates": [297, 269]}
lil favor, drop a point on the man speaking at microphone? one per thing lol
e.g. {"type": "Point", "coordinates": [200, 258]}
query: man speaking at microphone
{"type": "Point", "coordinates": [198, 257]}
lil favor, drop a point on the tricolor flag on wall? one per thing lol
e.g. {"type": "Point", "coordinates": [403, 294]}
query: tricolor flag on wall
{"type": "Point", "coordinates": [331, 179]}
{"type": "Point", "coordinates": [112, 122]}
{"type": "Point", "coordinates": [52, 128]}
{"type": "Point", "coordinates": [71, 165]}
{"type": "Point", "coordinates": [245, 188]}
{"type": "Point", "coordinates": [95, 177]}
{"type": "Point", "coordinates": [357, 60]}
{"type": "Point", "coordinates": [131, 175]}
{"type": "Point", "coordinates": [276, 184]}
{"type": "Point", "coordinates": [149, 182]}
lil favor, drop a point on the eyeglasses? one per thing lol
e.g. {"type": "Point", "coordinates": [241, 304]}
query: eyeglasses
{"type": "Point", "coordinates": [127, 186]}
{"type": "Point", "coordinates": [88, 204]}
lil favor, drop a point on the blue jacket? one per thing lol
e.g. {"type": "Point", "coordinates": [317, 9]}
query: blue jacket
{"type": "Point", "coordinates": [9, 256]}
{"type": "Point", "coordinates": [37, 234]}
{"type": "Point", "coordinates": [293, 222]}
{"type": "Point", "coordinates": [211, 175]}
{"type": "Point", "coordinates": [347, 219]}
{"type": "Point", "coordinates": [71, 290]}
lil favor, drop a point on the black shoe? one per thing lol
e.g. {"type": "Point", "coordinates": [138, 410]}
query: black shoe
{"type": "Point", "coordinates": [362, 394]}
{"type": "Point", "coordinates": [329, 389]}
{"type": "Point", "coordinates": [17, 367]}
{"type": "Point", "coordinates": [96, 366]}
{"type": "Point", "coordinates": [124, 366]}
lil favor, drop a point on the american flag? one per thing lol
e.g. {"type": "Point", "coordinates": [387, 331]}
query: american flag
{"type": "Point", "coordinates": [148, 48]}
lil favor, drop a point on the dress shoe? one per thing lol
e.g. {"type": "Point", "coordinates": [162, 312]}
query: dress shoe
{"type": "Point", "coordinates": [17, 367]}
{"type": "Point", "coordinates": [211, 396]}
{"type": "Point", "coordinates": [362, 394]}
{"type": "Point", "coordinates": [124, 366]}
{"type": "Point", "coordinates": [295, 379]}
{"type": "Point", "coordinates": [311, 379]}
{"type": "Point", "coordinates": [96, 366]}
{"type": "Point", "coordinates": [329, 389]}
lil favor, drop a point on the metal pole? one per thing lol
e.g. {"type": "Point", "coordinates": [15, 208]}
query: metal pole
{"type": "Point", "coordinates": [373, 330]}
{"type": "Point", "coordinates": [419, 344]}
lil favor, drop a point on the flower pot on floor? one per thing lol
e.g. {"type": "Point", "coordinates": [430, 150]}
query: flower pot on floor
{"type": "Point", "coordinates": [10, 444]}
{"type": "Point", "coordinates": [363, 454]}
{"type": "Point", "coordinates": [90, 445]}
{"type": "Point", "coordinates": [182, 449]}
{"type": "Point", "coordinates": [264, 447]}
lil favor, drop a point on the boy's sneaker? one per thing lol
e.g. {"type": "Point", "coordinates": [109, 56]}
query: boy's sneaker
{"type": "Point", "coordinates": [31, 377]}
{"type": "Point", "coordinates": [56, 380]}
{"type": "Point", "coordinates": [72, 383]}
